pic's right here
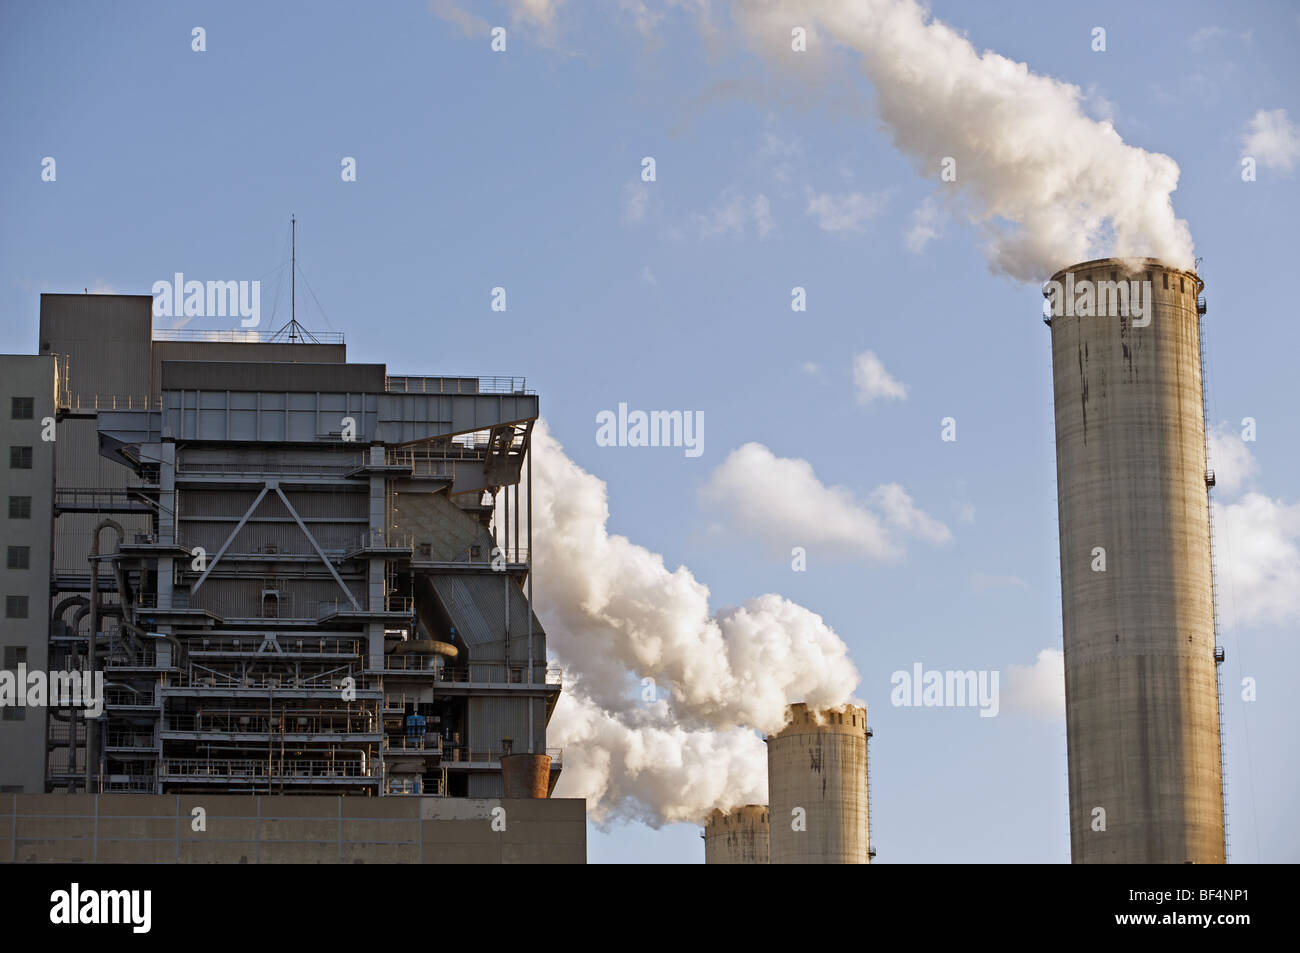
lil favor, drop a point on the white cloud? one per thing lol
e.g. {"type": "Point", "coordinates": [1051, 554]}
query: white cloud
{"type": "Point", "coordinates": [781, 500]}
{"type": "Point", "coordinates": [762, 215]}
{"type": "Point", "coordinates": [636, 200]}
{"type": "Point", "coordinates": [1233, 464]}
{"type": "Point", "coordinates": [1203, 37]}
{"type": "Point", "coordinates": [537, 13]}
{"type": "Point", "coordinates": [1272, 139]}
{"type": "Point", "coordinates": [873, 382]}
{"type": "Point", "coordinates": [645, 19]}
{"type": "Point", "coordinates": [846, 212]}
{"type": "Point", "coordinates": [779, 157]}
{"type": "Point", "coordinates": [902, 514]}
{"type": "Point", "coordinates": [927, 225]}
{"type": "Point", "coordinates": [1037, 689]}
{"type": "Point", "coordinates": [735, 214]}
{"type": "Point", "coordinates": [1205, 33]}
{"type": "Point", "coordinates": [449, 11]}
{"type": "Point", "coordinates": [1256, 540]}
{"type": "Point", "coordinates": [1257, 547]}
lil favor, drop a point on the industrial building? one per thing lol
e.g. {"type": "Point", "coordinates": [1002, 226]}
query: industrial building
{"type": "Point", "coordinates": [818, 809]}
{"type": "Point", "coordinates": [296, 575]}
{"type": "Point", "coordinates": [1137, 591]}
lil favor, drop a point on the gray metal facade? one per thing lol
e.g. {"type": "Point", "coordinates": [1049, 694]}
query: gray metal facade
{"type": "Point", "coordinates": [274, 530]}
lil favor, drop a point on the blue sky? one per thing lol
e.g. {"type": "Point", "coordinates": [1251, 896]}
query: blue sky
{"type": "Point", "coordinates": [522, 170]}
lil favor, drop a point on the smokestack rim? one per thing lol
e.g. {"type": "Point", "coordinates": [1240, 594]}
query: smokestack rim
{"type": "Point", "coordinates": [1126, 266]}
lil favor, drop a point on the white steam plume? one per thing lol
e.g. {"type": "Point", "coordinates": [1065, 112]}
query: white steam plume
{"type": "Point", "coordinates": [615, 615]}
{"type": "Point", "coordinates": [1050, 185]}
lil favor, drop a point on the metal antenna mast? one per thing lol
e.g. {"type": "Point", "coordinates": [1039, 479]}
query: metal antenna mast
{"type": "Point", "coordinates": [293, 277]}
{"type": "Point", "coordinates": [296, 332]}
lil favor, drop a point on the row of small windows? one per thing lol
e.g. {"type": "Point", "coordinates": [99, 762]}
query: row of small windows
{"type": "Point", "coordinates": [15, 655]}
{"type": "Point", "coordinates": [832, 718]}
{"type": "Point", "coordinates": [1114, 276]}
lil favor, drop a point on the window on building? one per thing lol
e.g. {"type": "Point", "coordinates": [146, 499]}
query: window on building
{"type": "Point", "coordinates": [19, 557]}
{"type": "Point", "coordinates": [20, 507]}
{"type": "Point", "coordinates": [20, 458]}
{"type": "Point", "coordinates": [15, 655]}
{"type": "Point", "coordinates": [15, 607]}
{"type": "Point", "coordinates": [22, 408]}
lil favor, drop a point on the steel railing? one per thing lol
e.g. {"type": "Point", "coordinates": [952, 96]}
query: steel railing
{"type": "Point", "coordinates": [351, 462]}
{"type": "Point", "coordinates": [479, 674]}
{"type": "Point", "coordinates": [428, 742]}
{"type": "Point", "coordinates": [123, 696]}
{"type": "Point", "coordinates": [452, 384]}
{"type": "Point", "coordinates": [385, 539]}
{"type": "Point", "coordinates": [207, 678]}
{"type": "Point", "coordinates": [127, 739]}
{"type": "Point", "coordinates": [257, 768]}
{"type": "Point", "coordinates": [319, 645]}
{"type": "Point", "coordinates": [236, 336]}
{"type": "Point", "coordinates": [462, 754]}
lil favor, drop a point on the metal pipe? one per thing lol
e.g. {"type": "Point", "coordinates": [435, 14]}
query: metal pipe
{"type": "Point", "coordinates": [92, 652]}
{"type": "Point", "coordinates": [528, 450]}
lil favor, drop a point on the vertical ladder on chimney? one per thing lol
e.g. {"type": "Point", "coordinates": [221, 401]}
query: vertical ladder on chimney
{"type": "Point", "coordinates": [871, 814]}
{"type": "Point", "coordinates": [1219, 654]}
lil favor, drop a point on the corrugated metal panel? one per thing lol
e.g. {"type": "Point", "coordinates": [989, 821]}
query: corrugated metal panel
{"type": "Point", "coordinates": [242, 598]}
{"type": "Point", "coordinates": [273, 459]}
{"type": "Point", "coordinates": [486, 785]}
{"type": "Point", "coordinates": [271, 415]}
{"type": "Point", "coordinates": [319, 504]}
{"type": "Point", "coordinates": [239, 351]}
{"type": "Point", "coordinates": [106, 339]}
{"type": "Point", "coordinates": [74, 534]}
{"type": "Point", "coordinates": [477, 604]}
{"type": "Point", "coordinates": [492, 719]}
{"type": "Point", "coordinates": [209, 375]}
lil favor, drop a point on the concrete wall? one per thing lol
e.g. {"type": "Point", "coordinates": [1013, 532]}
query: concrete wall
{"type": "Point", "coordinates": [818, 762]}
{"type": "Point", "coordinates": [1140, 679]}
{"type": "Point", "coordinates": [739, 836]}
{"type": "Point", "coordinates": [238, 351]}
{"type": "Point", "coordinates": [22, 730]}
{"type": "Point", "coordinates": [140, 828]}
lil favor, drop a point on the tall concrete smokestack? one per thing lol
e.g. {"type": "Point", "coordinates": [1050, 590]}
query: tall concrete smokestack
{"type": "Point", "coordinates": [738, 836]}
{"type": "Point", "coordinates": [817, 787]}
{"type": "Point", "coordinates": [1141, 692]}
